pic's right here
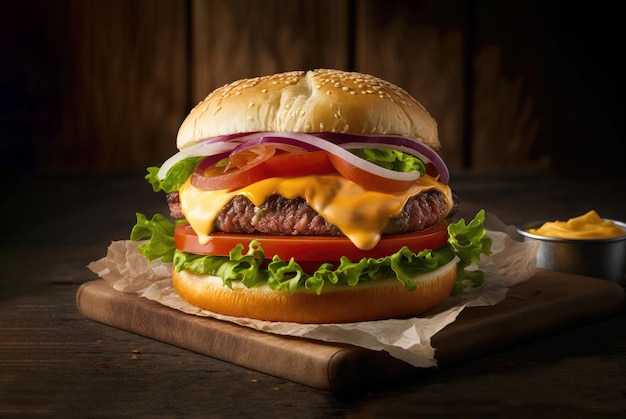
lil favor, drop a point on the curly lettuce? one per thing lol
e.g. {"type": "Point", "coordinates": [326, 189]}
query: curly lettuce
{"type": "Point", "coordinates": [466, 242]}
{"type": "Point", "coordinates": [175, 177]}
{"type": "Point", "coordinates": [391, 159]}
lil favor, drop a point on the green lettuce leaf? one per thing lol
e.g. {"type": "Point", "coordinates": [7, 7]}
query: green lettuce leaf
{"type": "Point", "coordinates": [175, 177]}
{"type": "Point", "coordinates": [391, 159]}
{"type": "Point", "coordinates": [160, 233]}
{"type": "Point", "coordinates": [466, 242]}
{"type": "Point", "coordinates": [289, 276]}
{"type": "Point", "coordinates": [469, 242]}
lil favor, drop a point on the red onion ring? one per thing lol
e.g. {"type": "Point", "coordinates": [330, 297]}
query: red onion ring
{"type": "Point", "coordinates": [342, 153]}
{"type": "Point", "coordinates": [425, 155]}
{"type": "Point", "coordinates": [197, 150]}
{"type": "Point", "coordinates": [409, 145]}
{"type": "Point", "coordinates": [335, 143]}
{"type": "Point", "coordinates": [280, 143]}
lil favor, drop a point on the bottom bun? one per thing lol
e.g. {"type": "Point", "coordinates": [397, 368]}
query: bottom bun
{"type": "Point", "coordinates": [384, 299]}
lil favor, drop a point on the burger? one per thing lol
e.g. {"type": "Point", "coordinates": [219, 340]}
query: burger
{"type": "Point", "coordinates": [312, 197]}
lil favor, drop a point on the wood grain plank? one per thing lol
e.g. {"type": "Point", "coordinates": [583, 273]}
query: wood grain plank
{"type": "Point", "coordinates": [505, 69]}
{"type": "Point", "coordinates": [548, 302]}
{"type": "Point", "coordinates": [125, 97]}
{"type": "Point", "coordinates": [245, 38]}
{"type": "Point", "coordinates": [418, 46]}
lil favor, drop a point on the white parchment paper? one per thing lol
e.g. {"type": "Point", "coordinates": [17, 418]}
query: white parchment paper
{"type": "Point", "coordinates": [510, 263]}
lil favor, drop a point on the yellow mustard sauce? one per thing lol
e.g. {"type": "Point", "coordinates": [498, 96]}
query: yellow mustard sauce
{"type": "Point", "coordinates": [587, 226]}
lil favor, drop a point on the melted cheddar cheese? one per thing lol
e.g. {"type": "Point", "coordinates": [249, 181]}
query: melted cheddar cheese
{"type": "Point", "coordinates": [359, 213]}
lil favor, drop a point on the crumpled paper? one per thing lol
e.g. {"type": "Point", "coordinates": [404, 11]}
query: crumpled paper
{"type": "Point", "coordinates": [511, 262]}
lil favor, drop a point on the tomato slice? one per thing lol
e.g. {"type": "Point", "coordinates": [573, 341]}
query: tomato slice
{"type": "Point", "coordinates": [367, 179]}
{"type": "Point", "coordinates": [241, 169]}
{"type": "Point", "coordinates": [263, 161]}
{"type": "Point", "coordinates": [307, 249]}
{"type": "Point", "coordinates": [257, 163]}
{"type": "Point", "coordinates": [299, 164]}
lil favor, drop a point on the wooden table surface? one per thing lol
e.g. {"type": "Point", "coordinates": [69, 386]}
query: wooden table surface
{"type": "Point", "coordinates": [56, 363]}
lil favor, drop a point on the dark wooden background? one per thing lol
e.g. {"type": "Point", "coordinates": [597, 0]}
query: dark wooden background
{"type": "Point", "coordinates": [102, 85]}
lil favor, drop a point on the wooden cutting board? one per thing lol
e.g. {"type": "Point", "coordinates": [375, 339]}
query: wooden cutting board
{"type": "Point", "coordinates": [546, 303]}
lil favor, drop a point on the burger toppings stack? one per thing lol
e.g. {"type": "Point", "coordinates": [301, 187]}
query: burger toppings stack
{"type": "Point", "coordinates": [314, 197]}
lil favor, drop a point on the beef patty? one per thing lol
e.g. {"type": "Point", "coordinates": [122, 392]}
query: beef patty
{"type": "Point", "coordinates": [282, 216]}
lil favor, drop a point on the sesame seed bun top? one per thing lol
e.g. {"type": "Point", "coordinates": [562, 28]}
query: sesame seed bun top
{"type": "Point", "coordinates": [309, 101]}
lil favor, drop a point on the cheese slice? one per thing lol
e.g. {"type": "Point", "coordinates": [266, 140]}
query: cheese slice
{"type": "Point", "coordinates": [359, 213]}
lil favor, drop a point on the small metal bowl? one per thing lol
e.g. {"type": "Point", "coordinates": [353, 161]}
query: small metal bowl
{"type": "Point", "coordinates": [598, 258]}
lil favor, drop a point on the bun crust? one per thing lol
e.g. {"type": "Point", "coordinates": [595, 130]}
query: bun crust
{"type": "Point", "coordinates": [382, 300]}
{"type": "Point", "coordinates": [313, 101]}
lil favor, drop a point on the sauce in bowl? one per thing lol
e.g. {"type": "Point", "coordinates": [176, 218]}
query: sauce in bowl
{"type": "Point", "coordinates": [587, 226]}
